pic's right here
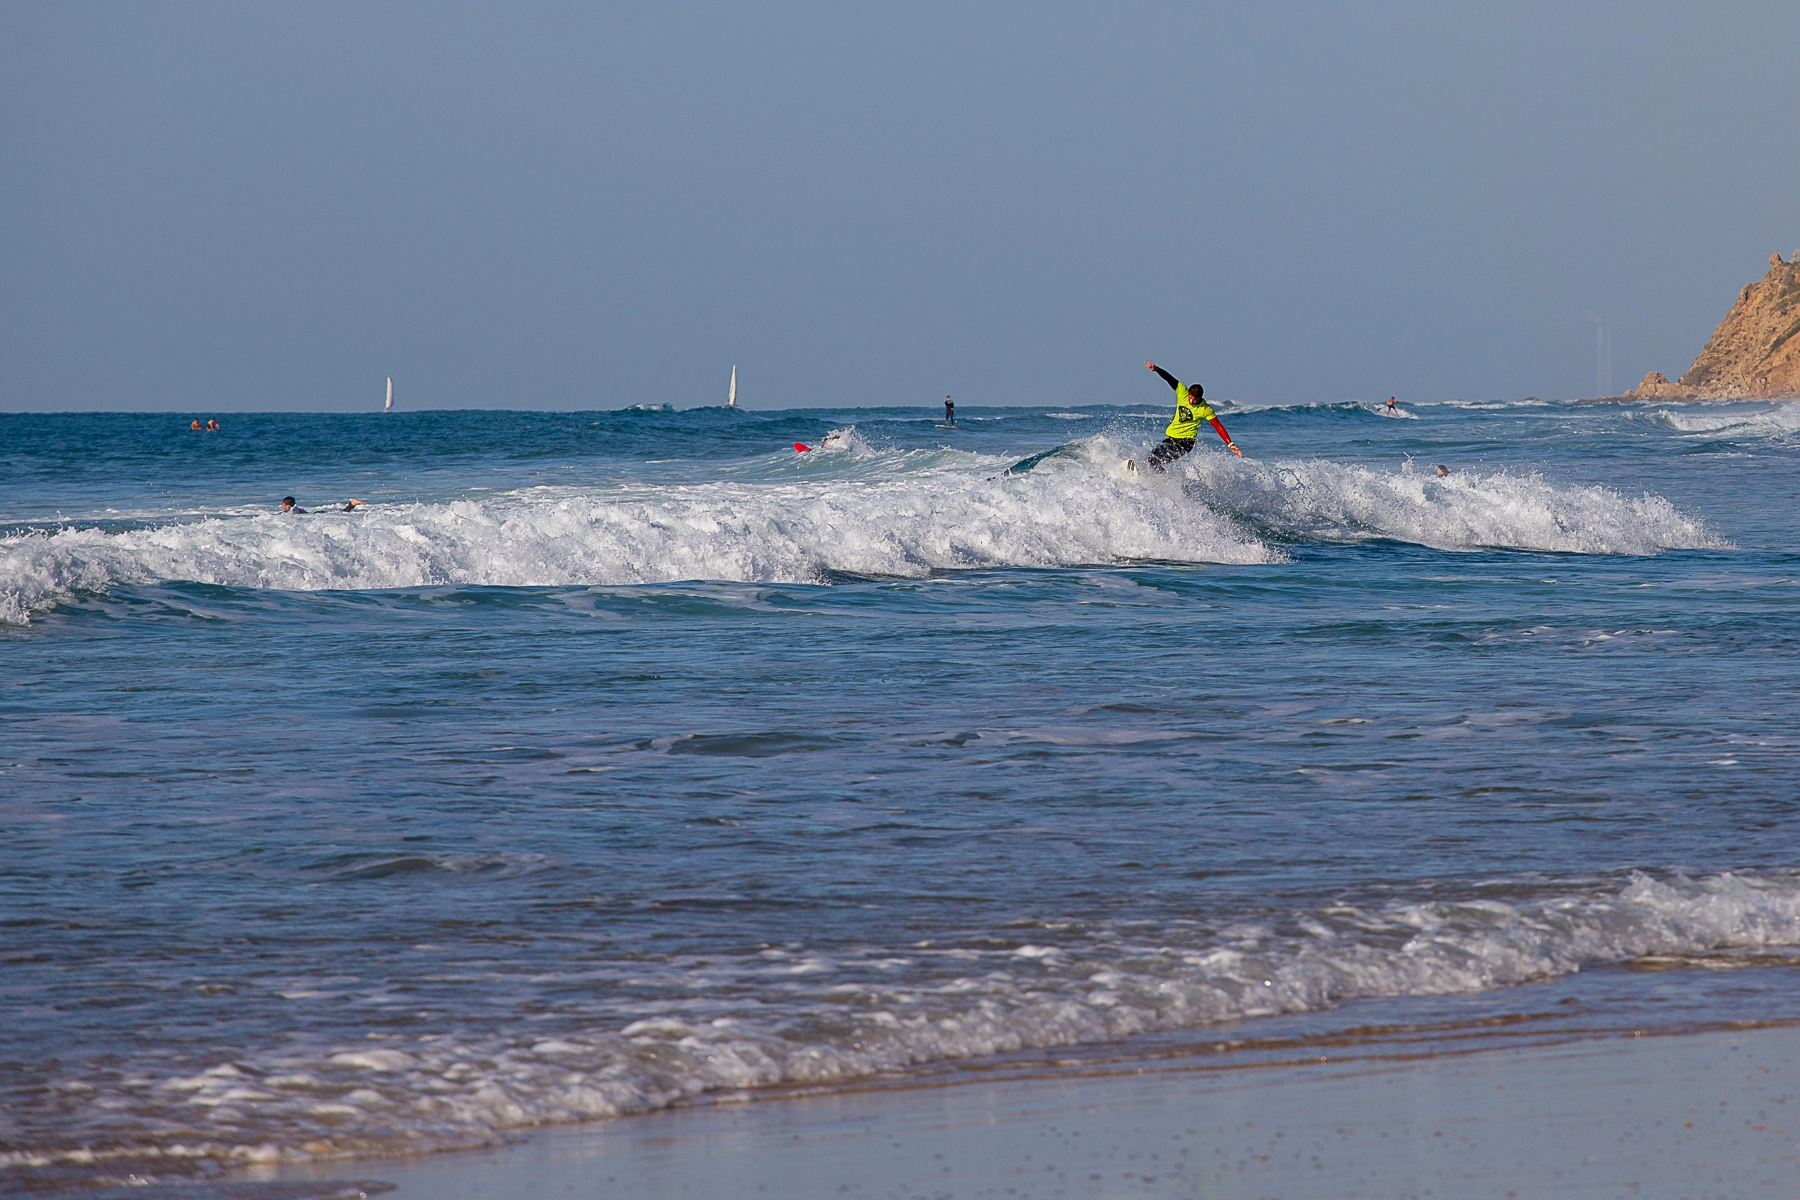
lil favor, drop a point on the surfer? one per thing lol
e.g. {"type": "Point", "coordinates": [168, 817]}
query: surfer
{"type": "Point", "coordinates": [288, 505]}
{"type": "Point", "coordinates": [949, 412]}
{"type": "Point", "coordinates": [1191, 408]}
{"type": "Point", "coordinates": [212, 425]}
{"type": "Point", "coordinates": [1393, 406]}
{"type": "Point", "coordinates": [1443, 471]}
{"type": "Point", "coordinates": [196, 425]}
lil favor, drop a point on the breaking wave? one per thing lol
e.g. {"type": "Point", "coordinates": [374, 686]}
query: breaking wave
{"type": "Point", "coordinates": [782, 532]}
{"type": "Point", "coordinates": [1464, 511]}
{"type": "Point", "coordinates": [849, 508]}
{"type": "Point", "coordinates": [829, 1018]}
{"type": "Point", "coordinates": [1779, 420]}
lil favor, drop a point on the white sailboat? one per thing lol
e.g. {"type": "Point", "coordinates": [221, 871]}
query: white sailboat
{"type": "Point", "coordinates": [389, 406]}
{"type": "Point", "coordinates": [731, 399]}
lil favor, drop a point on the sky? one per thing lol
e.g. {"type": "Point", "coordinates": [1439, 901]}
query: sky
{"type": "Point", "coordinates": [229, 207]}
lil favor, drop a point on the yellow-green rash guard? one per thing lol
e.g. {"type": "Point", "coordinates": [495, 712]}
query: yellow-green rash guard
{"type": "Point", "coordinates": [1189, 412]}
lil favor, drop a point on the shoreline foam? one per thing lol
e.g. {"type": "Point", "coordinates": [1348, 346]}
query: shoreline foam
{"type": "Point", "coordinates": [1666, 1114]}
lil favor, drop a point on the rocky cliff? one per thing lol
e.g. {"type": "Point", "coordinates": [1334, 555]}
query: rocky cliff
{"type": "Point", "coordinates": [1754, 354]}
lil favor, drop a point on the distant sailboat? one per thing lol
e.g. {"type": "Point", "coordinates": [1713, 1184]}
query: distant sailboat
{"type": "Point", "coordinates": [731, 400]}
{"type": "Point", "coordinates": [389, 406]}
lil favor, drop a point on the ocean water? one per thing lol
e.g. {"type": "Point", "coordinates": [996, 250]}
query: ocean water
{"type": "Point", "coordinates": [605, 761]}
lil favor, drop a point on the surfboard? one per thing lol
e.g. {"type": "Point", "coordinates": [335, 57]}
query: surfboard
{"type": "Point", "coordinates": [1025, 464]}
{"type": "Point", "coordinates": [389, 406]}
{"type": "Point", "coordinates": [731, 396]}
{"type": "Point", "coordinates": [947, 427]}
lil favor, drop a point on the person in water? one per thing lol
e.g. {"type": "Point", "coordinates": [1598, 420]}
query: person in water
{"type": "Point", "coordinates": [1191, 408]}
{"type": "Point", "coordinates": [196, 425]}
{"type": "Point", "coordinates": [288, 505]}
{"type": "Point", "coordinates": [1393, 405]}
{"type": "Point", "coordinates": [1442, 471]}
{"type": "Point", "coordinates": [212, 425]}
{"type": "Point", "coordinates": [950, 412]}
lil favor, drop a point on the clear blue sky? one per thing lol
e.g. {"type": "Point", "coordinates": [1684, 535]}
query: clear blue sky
{"type": "Point", "coordinates": [213, 207]}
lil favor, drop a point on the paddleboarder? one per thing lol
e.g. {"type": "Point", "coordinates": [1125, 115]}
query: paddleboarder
{"type": "Point", "coordinates": [949, 412]}
{"type": "Point", "coordinates": [1191, 408]}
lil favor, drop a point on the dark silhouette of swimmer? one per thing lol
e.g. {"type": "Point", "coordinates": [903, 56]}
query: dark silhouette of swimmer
{"type": "Point", "coordinates": [288, 505]}
{"type": "Point", "coordinates": [355, 504]}
{"type": "Point", "coordinates": [950, 412]}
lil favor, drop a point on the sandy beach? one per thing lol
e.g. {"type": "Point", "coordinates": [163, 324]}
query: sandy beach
{"type": "Point", "coordinates": [1711, 1114]}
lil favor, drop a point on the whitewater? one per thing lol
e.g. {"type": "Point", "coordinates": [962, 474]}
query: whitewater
{"type": "Point", "coordinates": [604, 761]}
{"type": "Point", "coordinates": [850, 508]}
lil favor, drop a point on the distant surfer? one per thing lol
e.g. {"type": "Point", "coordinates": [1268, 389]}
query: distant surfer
{"type": "Point", "coordinates": [212, 425]}
{"type": "Point", "coordinates": [1191, 408]}
{"type": "Point", "coordinates": [1393, 406]}
{"type": "Point", "coordinates": [355, 504]}
{"type": "Point", "coordinates": [196, 425]}
{"type": "Point", "coordinates": [288, 505]}
{"type": "Point", "coordinates": [949, 412]}
{"type": "Point", "coordinates": [1442, 471]}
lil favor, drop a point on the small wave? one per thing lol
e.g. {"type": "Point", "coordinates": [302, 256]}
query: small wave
{"type": "Point", "coordinates": [1065, 416]}
{"type": "Point", "coordinates": [1776, 421]}
{"type": "Point", "coordinates": [1061, 985]}
{"type": "Point", "coordinates": [1467, 510]}
{"type": "Point", "coordinates": [799, 530]}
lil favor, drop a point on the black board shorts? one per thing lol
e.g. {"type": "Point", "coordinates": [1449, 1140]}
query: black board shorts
{"type": "Point", "coordinates": [1168, 450]}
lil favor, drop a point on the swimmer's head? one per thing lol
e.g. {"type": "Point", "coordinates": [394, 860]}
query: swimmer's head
{"type": "Point", "coordinates": [1442, 470]}
{"type": "Point", "coordinates": [287, 502]}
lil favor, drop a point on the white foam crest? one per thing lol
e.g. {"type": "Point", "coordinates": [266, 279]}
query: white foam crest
{"type": "Point", "coordinates": [845, 441]}
{"type": "Point", "coordinates": [1465, 510]}
{"type": "Point", "coordinates": [826, 1022]}
{"type": "Point", "coordinates": [779, 532]}
{"type": "Point", "coordinates": [1774, 421]}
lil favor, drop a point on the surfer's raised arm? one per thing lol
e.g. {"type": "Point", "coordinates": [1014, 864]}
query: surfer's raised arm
{"type": "Point", "coordinates": [1167, 378]}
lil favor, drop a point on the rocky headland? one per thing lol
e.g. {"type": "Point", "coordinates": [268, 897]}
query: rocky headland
{"type": "Point", "coordinates": [1754, 354]}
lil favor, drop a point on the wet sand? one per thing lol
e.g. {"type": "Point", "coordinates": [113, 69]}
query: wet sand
{"type": "Point", "coordinates": [1696, 1115]}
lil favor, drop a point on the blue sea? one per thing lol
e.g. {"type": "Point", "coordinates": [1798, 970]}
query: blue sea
{"type": "Point", "coordinates": [603, 761]}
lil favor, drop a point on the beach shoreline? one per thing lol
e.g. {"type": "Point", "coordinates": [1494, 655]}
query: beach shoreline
{"type": "Point", "coordinates": [1663, 1114]}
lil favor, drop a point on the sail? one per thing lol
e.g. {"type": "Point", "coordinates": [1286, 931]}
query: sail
{"type": "Point", "coordinates": [388, 407]}
{"type": "Point", "coordinates": [731, 400]}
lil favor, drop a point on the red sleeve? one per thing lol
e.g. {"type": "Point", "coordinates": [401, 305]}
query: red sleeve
{"type": "Point", "coordinates": [1214, 421]}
